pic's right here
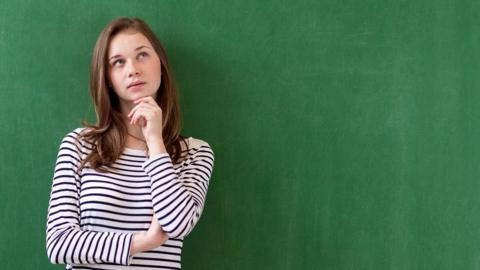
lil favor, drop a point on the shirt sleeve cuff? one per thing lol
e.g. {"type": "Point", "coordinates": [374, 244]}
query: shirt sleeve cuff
{"type": "Point", "coordinates": [127, 256]}
{"type": "Point", "coordinates": [151, 162]}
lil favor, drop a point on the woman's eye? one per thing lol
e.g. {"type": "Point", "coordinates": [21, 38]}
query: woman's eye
{"type": "Point", "coordinates": [142, 54]}
{"type": "Point", "coordinates": [117, 62]}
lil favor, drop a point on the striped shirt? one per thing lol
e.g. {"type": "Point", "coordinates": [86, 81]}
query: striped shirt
{"type": "Point", "coordinates": [92, 215]}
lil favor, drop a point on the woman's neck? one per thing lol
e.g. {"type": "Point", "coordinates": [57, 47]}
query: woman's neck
{"type": "Point", "coordinates": [134, 131]}
{"type": "Point", "coordinates": [134, 136]}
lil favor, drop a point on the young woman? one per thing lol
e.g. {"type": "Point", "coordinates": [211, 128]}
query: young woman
{"type": "Point", "coordinates": [127, 189]}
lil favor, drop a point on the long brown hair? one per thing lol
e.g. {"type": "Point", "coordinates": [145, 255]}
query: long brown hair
{"type": "Point", "coordinates": [108, 134]}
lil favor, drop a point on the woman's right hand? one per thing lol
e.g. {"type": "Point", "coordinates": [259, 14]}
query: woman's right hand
{"type": "Point", "coordinates": [152, 238]}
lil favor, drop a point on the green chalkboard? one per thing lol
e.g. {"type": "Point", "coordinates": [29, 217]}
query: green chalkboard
{"type": "Point", "coordinates": [346, 133]}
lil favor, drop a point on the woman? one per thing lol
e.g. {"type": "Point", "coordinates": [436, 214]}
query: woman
{"type": "Point", "coordinates": [128, 189]}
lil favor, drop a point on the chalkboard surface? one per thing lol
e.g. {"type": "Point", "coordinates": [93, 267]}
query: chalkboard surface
{"type": "Point", "coordinates": [346, 133]}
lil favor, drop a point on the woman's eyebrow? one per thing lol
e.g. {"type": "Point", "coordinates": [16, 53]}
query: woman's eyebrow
{"type": "Point", "coordinates": [138, 48]}
{"type": "Point", "coordinates": [141, 47]}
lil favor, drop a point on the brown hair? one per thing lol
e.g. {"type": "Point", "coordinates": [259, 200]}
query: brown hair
{"type": "Point", "coordinates": [108, 134]}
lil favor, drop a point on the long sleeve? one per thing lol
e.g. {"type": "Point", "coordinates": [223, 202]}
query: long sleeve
{"type": "Point", "coordinates": [66, 241]}
{"type": "Point", "coordinates": [178, 199]}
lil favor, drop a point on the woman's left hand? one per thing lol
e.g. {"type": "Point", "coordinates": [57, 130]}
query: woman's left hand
{"type": "Point", "coordinates": [148, 115]}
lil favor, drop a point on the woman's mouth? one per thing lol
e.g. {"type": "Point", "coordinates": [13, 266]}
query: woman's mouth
{"type": "Point", "coordinates": [135, 85]}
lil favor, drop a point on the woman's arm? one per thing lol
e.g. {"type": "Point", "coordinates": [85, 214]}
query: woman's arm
{"type": "Point", "coordinates": [178, 200]}
{"type": "Point", "coordinates": [154, 237]}
{"type": "Point", "coordinates": [66, 241]}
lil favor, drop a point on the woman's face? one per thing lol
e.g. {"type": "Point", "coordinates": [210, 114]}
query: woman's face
{"type": "Point", "coordinates": [134, 67]}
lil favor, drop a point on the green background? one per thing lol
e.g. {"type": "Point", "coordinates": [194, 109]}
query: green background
{"type": "Point", "coordinates": [346, 133]}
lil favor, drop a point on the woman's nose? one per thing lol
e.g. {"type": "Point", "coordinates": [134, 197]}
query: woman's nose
{"type": "Point", "coordinates": [133, 69]}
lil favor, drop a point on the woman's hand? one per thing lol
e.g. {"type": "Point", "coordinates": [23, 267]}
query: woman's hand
{"type": "Point", "coordinates": [148, 115]}
{"type": "Point", "coordinates": [155, 233]}
{"type": "Point", "coordinates": [154, 237]}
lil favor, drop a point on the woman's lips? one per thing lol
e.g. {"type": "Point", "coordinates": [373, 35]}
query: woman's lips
{"type": "Point", "coordinates": [135, 86]}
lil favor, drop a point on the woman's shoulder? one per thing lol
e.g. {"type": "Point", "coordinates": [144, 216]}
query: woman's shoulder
{"type": "Point", "coordinates": [196, 145]}
{"type": "Point", "coordinates": [199, 150]}
{"type": "Point", "coordinates": [76, 133]}
{"type": "Point", "coordinates": [76, 136]}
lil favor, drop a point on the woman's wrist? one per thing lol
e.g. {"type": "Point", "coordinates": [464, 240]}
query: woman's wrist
{"type": "Point", "coordinates": [138, 240]}
{"type": "Point", "coordinates": [156, 147]}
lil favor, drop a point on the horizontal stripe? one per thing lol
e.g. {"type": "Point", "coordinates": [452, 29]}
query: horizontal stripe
{"type": "Point", "coordinates": [92, 215]}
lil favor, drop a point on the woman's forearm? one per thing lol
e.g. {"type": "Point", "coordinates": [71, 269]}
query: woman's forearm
{"type": "Point", "coordinates": [156, 148]}
{"type": "Point", "coordinates": [143, 241]}
{"type": "Point", "coordinates": [137, 243]}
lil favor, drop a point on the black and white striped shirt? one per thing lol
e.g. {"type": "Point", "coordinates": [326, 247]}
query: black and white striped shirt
{"type": "Point", "coordinates": [93, 215]}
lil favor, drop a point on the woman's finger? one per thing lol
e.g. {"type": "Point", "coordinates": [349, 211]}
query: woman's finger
{"type": "Point", "coordinates": [141, 105]}
{"type": "Point", "coordinates": [149, 101]}
{"type": "Point", "coordinates": [142, 112]}
{"type": "Point", "coordinates": [135, 117]}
